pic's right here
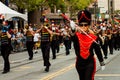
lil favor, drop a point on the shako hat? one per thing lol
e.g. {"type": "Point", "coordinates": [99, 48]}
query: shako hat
{"type": "Point", "coordinates": [84, 16]}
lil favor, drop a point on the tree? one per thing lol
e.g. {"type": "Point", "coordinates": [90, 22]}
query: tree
{"type": "Point", "coordinates": [76, 5]}
{"type": "Point", "coordinates": [32, 7]}
{"type": "Point", "coordinates": [56, 4]}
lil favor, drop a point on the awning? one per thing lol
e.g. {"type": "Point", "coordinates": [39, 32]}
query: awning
{"type": "Point", "coordinates": [9, 13]}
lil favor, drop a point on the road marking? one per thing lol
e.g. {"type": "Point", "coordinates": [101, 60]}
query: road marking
{"type": "Point", "coordinates": [105, 75]}
{"type": "Point", "coordinates": [23, 68]}
{"type": "Point", "coordinates": [18, 61]}
{"type": "Point", "coordinates": [49, 77]}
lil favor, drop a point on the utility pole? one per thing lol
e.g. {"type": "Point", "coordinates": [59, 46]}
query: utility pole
{"type": "Point", "coordinates": [111, 10]}
{"type": "Point", "coordinates": [95, 12]}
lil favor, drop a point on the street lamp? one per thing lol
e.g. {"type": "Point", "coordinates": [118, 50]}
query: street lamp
{"type": "Point", "coordinates": [59, 11]}
{"type": "Point", "coordinates": [95, 11]}
{"type": "Point", "coordinates": [111, 10]}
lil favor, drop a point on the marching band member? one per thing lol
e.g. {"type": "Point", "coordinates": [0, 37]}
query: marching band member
{"type": "Point", "coordinates": [85, 43]}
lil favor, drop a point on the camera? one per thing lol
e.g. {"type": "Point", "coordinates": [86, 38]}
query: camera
{"type": "Point", "coordinates": [5, 28]}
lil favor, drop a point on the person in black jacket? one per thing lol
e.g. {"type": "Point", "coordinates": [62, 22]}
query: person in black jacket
{"type": "Point", "coordinates": [46, 33]}
{"type": "Point", "coordinates": [85, 43]}
{"type": "Point", "coordinates": [5, 38]}
{"type": "Point", "coordinates": [29, 33]}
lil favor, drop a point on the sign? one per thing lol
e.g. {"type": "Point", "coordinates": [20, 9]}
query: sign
{"type": "Point", "coordinates": [106, 16]}
{"type": "Point", "coordinates": [92, 10]}
{"type": "Point", "coordinates": [103, 5]}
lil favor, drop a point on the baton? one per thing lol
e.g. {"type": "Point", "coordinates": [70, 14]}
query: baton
{"type": "Point", "coordinates": [68, 19]}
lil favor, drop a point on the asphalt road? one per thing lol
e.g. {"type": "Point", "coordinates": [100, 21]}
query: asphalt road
{"type": "Point", "coordinates": [112, 71]}
{"type": "Point", "coordinates": [62, 68]}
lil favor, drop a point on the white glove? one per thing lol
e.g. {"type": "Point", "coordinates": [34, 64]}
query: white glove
{"type": "Point", "coordinates": [102, 68]}
{"type": "Point", "coordinates": [30, 29]}
{"type": "Point", "coordinates": [72, 24]}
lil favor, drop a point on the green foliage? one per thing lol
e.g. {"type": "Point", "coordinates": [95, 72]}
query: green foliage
{"type": "Point", "coordinates": [28, 4]}
{"type": "Point", "coordinates": [79, 4]}
{"type": "Point", "coordinates": [59, 4]}
{"type": "Point", "coordinates": [31, 5]}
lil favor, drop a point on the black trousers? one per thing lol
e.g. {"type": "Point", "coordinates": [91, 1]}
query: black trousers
{"type": "Point", "coordinates": [87, 71]}
{"type": "Point", "coordinates": [54, 46]}
{"type": "Point", "coordinates": [45, 48]}
{"type": "Point", "coordinates": [30, 46]}
{"type": "Point", "coordinates": [58, 45]}
{"type": "Point", "coordinates": [110, 45]}
{"type": "Point", "coordinates": [5, 51]}
{"type": "Point", "coordinates": [105, 49]}
{"type": "Point", "coordinates": [67, 46]}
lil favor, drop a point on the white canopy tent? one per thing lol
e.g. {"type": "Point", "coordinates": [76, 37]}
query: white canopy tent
{"type": "Point", "coordinates": [9, 13]}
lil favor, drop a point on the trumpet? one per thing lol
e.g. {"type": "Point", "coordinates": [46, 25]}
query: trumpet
{"type": "Point", "coordinates": [26, 26]}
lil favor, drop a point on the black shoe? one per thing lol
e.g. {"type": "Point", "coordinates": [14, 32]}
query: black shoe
{"type": "Point", "coordinates": [4, 72]}
{"type": "Point", "coordinates": [111, 53]}
{"type": "Point", "coordinates": [105, 57]}
{"type": "Point", "coordinates": [54, 58]}
{"type": "Point", "coordinates": [47, 69]}
{"type": "Point", "coordinates": [36, 52]}
{"type": "Point", "coordinates": [67, 54]}
{"type": "Point", "coordinates": [30, 58]}
{"type": "Point", "coordinates": [57, 51]}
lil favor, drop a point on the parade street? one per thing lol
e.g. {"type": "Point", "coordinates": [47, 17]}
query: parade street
{"type": "Point", "coordinates": [62, 68]}
{"type": "Point", "coordinates": [59, 40]}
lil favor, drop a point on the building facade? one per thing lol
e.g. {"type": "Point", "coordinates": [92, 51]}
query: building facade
{"type": "Point", "coordinates": [116, 5]}
{"type": "Point", "coordinates": [108, 5]}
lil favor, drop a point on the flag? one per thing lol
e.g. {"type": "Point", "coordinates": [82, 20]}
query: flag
{"type": "Point", "coordinates": [116, 20]}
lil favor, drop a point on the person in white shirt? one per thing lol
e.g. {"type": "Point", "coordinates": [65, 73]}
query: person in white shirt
{"type": "Point", "coordinates": [36, 41]}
